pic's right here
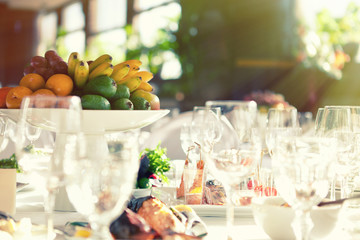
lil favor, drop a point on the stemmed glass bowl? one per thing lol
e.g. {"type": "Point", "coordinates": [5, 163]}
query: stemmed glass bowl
{"type": "Point", "coordinates": [280, 122]}
{"type": "Point", "coordinates": [227, 160]}
{"type": "Point", "coordinates": [302, 175]}
{"type": "Point", "coordinates": [99, 188]}
{"type": "Point", "coordinates": [230, 165]}
{"type": "Point", "coordinates": [44, 162]}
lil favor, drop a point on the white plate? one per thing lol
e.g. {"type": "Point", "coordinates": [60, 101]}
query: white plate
{"type": "Point", "coordinates": [20, 186]}
{"type": "Point", "coordinates": [141, 192]}
{"type": "Point", "coordinates": [98, 120]}
{"type": "Point", "coordinates": [220, 211]}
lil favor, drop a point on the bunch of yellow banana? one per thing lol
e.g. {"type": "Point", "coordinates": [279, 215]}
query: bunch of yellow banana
{"type": "Point", "coordinates": [72, 61]}
{"type": "Point", "coordinates": [78, 70]}
{"type": "Point", "coordinates": [81, 74]}
{"type": "Point", "coordinates": [128, 73]}
{"type": "Point", "coordinates": [101, 66]}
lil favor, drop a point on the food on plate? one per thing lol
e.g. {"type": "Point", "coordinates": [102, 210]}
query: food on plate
{"type": "Point", "coordinates": [77, 229]}
{"type": "Point", "coordinates": [150, 218]}
{"type": "Point", "coordinates": [197, 187]}
{"type": "Point", "coordinates": [214, 193]}
{"type": "Point", "coordinates": [194, 225]}
{"type": "Point", "coordinates": [131, 226]}
{"type": "Point", "coordinates": [10, 162]}
{"type": "Point", "coordinates": [11, 229]}
{"type": "Point", "coordinates": [153, 164]}
{"type": "Point", "coordinates": [81, 77]}
{"type": "Point", "coordinates": [160, 217]}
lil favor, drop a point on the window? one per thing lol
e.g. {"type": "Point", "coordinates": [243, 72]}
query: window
{"type": "Point", "coordinates": [103, 29]}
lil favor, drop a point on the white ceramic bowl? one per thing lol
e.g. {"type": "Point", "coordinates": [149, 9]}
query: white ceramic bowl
{"type": "Point", "coordinates": [276, 220]}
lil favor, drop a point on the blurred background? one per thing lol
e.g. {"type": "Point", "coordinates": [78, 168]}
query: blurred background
{"type": "Point", "coordinates": [200, 50]}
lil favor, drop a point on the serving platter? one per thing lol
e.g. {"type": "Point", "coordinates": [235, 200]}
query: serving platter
{"type": "Point", "coordinates": [95, 125]}
{"type": "Point", "coordinates": [96, 121]}
{"type": "Point", "coordinates": [220, 210]}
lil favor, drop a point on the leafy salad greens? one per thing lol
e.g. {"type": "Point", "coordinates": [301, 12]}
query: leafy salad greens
{"type": "Point", "coordinates": [10, 163]}
{"type": "Point", "coordinates": [159, 163]}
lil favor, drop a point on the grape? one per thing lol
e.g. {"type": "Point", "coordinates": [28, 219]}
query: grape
{"type": "Point", "coordinates": [41, 71]}
{"type": "Point", "coordinates": [55, 60]}
{"type": "Point", "coordinates": [50, 53]}
{"type": "Point", "coordinates": [89, 62]}
{"type": "Point", "coordinates": [48, 73]}
{"type": "Point", "coordinates": [52, 57]}
{"type": "Point", "coordinates": [29, 69]}
{"type": "Point", "coordinates": [61, 67]}
{"type": "Point", "coordinates": [44, 72]}
{"type": "Point", "coordinates": [38, 61]}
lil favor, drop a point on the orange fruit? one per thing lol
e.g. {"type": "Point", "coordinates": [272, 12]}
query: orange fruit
{"type": "Point", "coordinates": [60, 84]}
{"type": "Point", "coordinates": [48, 101]}
{"type": "Point", "coordinates": [43, 91]}
{"type": "Point", "coordinates": [15, 96]}
{"type": "Point", "coordinates": [3, 92]}
{"type": "Point", "coordinates": [33, 81]}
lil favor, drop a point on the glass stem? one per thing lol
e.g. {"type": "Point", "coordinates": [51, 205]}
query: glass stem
{"type": "Point", "coordinates": [332, 189]}
{"type": "Point", "coordinates": [100, 231]}
{"type": "Point", "coordinates": [343, 187]}
{"type": "Point", "coordinates": [49, 209]}
{"type": "Point", "coordinates": [230, 208]}
{"type": "Point", "coordinates": [302, 224]}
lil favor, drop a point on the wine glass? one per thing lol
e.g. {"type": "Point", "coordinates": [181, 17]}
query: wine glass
{"type": "Point", "coordinates": [187, 144]}
{"type": "Point", "coordinates": [280, 122]}
{"type": "Point", "coordinates": [230, 164]}
{"type": "Point", "coordinates": [206, 129]}
{"type": "Point", "coordinates": [4, 135]}
{"type": "Point", "coordinates": [302, 174]}
{"type": "Point", "coordinates": [337, 123]}
{"type": "Point", "coordinates": [32, 133]}
{"type": "Point", "coordinates": [238, 115]}
{"type": "Point", "coordinates": [99, 188]}
{"type": "Point", "coordinates": [318, 119]}
{"type": "Point", "coordinates": [42, 162]}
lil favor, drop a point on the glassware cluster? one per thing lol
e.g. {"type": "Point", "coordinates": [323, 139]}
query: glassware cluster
{"type": "Point", "coordinates": [230, 136]}
{"type": "Point", "coordinates": [97, 187]}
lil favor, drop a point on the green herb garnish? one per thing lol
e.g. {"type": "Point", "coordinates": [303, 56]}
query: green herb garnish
{"type": "Point", "coordinates": [10, 163]}
{"type": "Point", "coordinates": [159, 163]}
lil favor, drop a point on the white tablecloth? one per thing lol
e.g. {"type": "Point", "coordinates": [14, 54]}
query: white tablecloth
{"type": "Point", "coordinates": [30, 204]}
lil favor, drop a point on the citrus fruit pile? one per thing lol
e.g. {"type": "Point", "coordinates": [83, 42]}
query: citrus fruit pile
{"type": "Point", "coordinates": [100, 84]}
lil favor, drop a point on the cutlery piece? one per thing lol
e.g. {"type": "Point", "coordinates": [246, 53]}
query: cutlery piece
{"type": "Point", "coordinates": [339, 201]}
